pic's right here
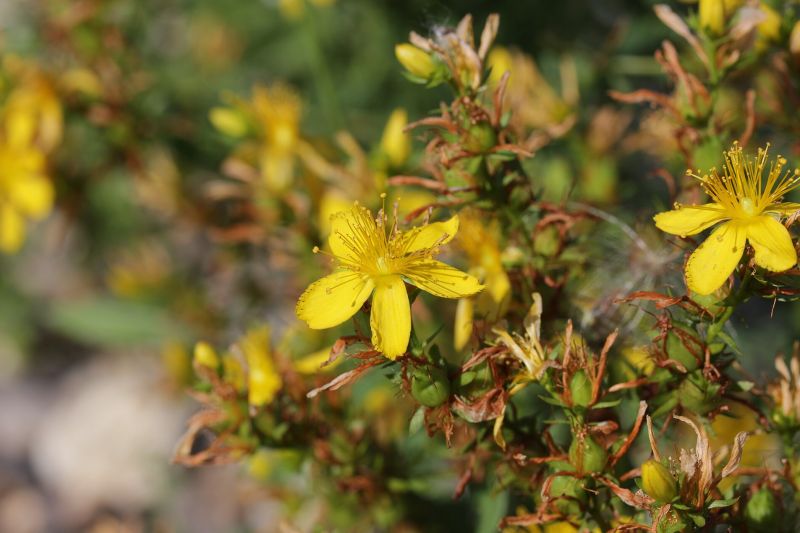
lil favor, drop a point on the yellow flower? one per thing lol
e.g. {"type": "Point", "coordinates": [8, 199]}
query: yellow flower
{"type": "Point", "coordinates": [263, 380]}
{"type": "Point", "coordinates": [749, 211]}
{"type": "Point", "coordinates": [370, 259]}
{"type": "Point", "coordinates": [25, 190]}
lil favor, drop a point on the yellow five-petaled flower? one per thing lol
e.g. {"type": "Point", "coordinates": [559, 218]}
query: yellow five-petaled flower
{"type": "Point", "coordinates": [373, 257]}
{"type": "Point", "coordinates": [750, 211]}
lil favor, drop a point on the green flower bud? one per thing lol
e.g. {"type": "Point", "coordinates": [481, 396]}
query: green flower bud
{"type": "Point", "coordinates": [587, 456]}
{"type": "Point", "coordinates": [761, 512]}
{"type": "Point", "coordinates": [658, 483]}
{"type": "Point", "coordinates": [430, 386]}
{"type": "Point", "coordinates": [580, 388]}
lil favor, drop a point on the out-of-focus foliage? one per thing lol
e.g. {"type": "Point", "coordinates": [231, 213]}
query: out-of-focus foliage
{"type": "Point", "coordinates": [420, 267]}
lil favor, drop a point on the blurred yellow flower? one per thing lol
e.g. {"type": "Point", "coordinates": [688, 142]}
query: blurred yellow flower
{"type": "Point", "coordinates": [370, 259]}
{"type": "Point", "coordinates": [263, 379]}
{"type": "Point", "coordinates": [535, 103]}
{"type": "Point", "coordinates": [395, 142]}
{"type": "Point", "coordinates": [277, 112]}
{"type": "Point", "coordinates": [748, 210]}
{"type": "Point", "coordinates": [769, 29]}
{"type": "Point", "coordinates": [25, 190]}
{"type": "Point", "coordinates": [273, 116]}
{"type": "Point", "coordinates": [481, 245]}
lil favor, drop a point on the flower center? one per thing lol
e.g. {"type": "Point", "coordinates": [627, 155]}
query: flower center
{"type": "Point", "coordinates": [748, 206]}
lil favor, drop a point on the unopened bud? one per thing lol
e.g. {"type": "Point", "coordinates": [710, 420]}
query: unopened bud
{"type": "Point", "coordinates": [430, 386]}
{"type": "Point", "coordinates": [580, 388]}
{"type": "Point", "coordinates": [415, 60]}
{"type": "Point", "coordinates": [712, 16]}
{"type": "Point", "coordinates": [228, 121]}
{"type": "Point", "coordinates": [658, 482]}
{"type": "Point", "coordinates": [204, 355]}
{"type": "Point", "coordinates": [395, 142]}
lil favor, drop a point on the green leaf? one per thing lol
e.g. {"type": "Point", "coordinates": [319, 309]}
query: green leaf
{"type": "Point", "coordinates": [491, 508]}
{"type": "Point", "coordinates": [716, 504]}
{"type": "Point", "coordinates": [112, 322]}
{"type": "Point", "coordinates": [417, 420]}
{"type": "Point", "coordinates": [698, 520]}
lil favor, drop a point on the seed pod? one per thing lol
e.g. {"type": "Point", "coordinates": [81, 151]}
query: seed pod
{"type": "Point", "coordinates": [580, 388]}
{"type": "Point", "coordinates": [587, 456]}
{"type": "Point", "coordinates": [658, 483]}
{"type": "Point", "coordinates": [430, 386]}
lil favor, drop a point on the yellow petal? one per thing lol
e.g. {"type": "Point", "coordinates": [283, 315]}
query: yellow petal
{"type": "Point", "coordinates": [714, 260]}
{"type": "Point", "coordinates": [20, 128]}
{"type": "Point", "coordinates": [32, 195]}
{"type": "Point", "coordinates": [333, 299]}
{"type": "Point", "coordinates": [428, 236]}
{"type": "Point", "coordinates": [463, 322]}
{"type": "Point", "coordinates": [772, 243]}
{"type": "Point", "coordinates": [441, 280]}
{"type": "Point", "coordinates": [391, 317]}
{"type": "Point", "coordinates": [12, 229]}
{"type": "Point", "coordinates": [263, 380]}
{"type": "Point", "coordinates": [350, 232]}
{"type": "Point", "coordinates": [689, 220]}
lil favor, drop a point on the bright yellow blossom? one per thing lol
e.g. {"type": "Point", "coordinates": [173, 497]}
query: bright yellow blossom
{"type": "Point", "coordinates": [749, 211]}
{"type": "Point", "coordinates": [263, 380]}
{"type": "Point", "coordinates": [25, 190]}
{"type": "Point", "coordinates": [371, 259]}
